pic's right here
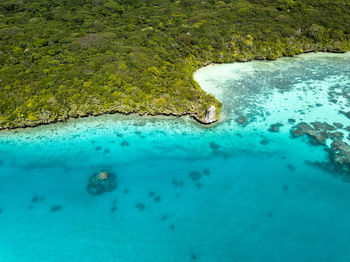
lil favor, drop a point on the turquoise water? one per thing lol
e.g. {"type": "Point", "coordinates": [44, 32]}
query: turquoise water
{"type": "Point", "coordinates": [256, 198]}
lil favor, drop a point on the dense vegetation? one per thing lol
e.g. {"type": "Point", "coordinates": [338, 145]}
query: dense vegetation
{"type": "Point", "coordinates": [69, 58]}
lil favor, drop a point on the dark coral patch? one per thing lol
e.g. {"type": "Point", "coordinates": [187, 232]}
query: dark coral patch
{"type": "Point", "coordinates": [125, 143]}
{"type": "Point", "coordinates": [140, 206]}
{"type": "Point", "coordinates": [178, 183]}
{"type": "Point", "coordinates": [194, 175]}
{"type": "Point", "coordinates": [36, 199]}
{"type": "Point", "coordinates": [264, 141]}
{"type": "Point", "coordinates": [199, 185]}
{"type": "Point", "coordinates": [275, 127]}
{"type": "Point", "coordinates": [106, 151]}
{"type": "Point", "coordinates": [291, 167]}
{"type": "Point", "coordinates": [214, 146]}
{"type": "Point", "coordinates": [164, 217]}
{"type": "Point", "coordinates": [55, 208]}
{"type": "Point", "coordinates": [102, 182]}
{"type": "Point", "coordinates": [206, 171]}
{"type": "Point", "coordinates": [157, 199]}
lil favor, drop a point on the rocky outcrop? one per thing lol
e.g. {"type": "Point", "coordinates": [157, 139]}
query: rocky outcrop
{"type": "Point", "coordinates": [210, 115]}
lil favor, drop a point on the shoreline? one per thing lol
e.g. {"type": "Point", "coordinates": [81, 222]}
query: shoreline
{"type": "Point", "coordinates": [191, 115]}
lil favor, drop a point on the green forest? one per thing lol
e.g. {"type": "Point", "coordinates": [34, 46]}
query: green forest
{"type": "Point", "coordinates": [69, 58]}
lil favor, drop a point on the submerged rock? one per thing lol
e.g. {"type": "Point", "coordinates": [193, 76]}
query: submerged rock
{"type": "Point", "coordinates": [100, 183]}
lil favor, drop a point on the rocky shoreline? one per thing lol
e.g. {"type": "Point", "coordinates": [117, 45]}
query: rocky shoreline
{"type": "Point", "coordinates": [211, 116]}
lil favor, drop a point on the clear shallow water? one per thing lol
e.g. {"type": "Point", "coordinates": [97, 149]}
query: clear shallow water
{"type": "Point", "coordinates": [258, 201]}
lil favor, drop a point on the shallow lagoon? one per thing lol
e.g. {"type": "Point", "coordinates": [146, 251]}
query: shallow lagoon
{"type": "Point", "coordinates": [256, 198]}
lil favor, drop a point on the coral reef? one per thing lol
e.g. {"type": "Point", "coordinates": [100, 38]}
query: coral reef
{"type": "Point", "coordinates": [340, 154]}
{"type": "Point", "coordinates": [318, 133]}
{"type": "Point", "coordinates": [102, 182]}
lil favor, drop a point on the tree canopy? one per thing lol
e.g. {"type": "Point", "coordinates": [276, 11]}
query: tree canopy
{"type": "Point", "coordinates": [70, 58]}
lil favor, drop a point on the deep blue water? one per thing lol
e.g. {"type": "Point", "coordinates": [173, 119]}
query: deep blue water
{"type": "Point", "coordinates": [253, 201]}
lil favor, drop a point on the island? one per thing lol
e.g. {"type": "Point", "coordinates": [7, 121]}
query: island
{"type": "Point", "coordinates": [68, 59]}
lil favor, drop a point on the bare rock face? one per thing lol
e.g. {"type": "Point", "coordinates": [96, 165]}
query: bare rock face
{"type": "Point", "coordinates": [210, 115]}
